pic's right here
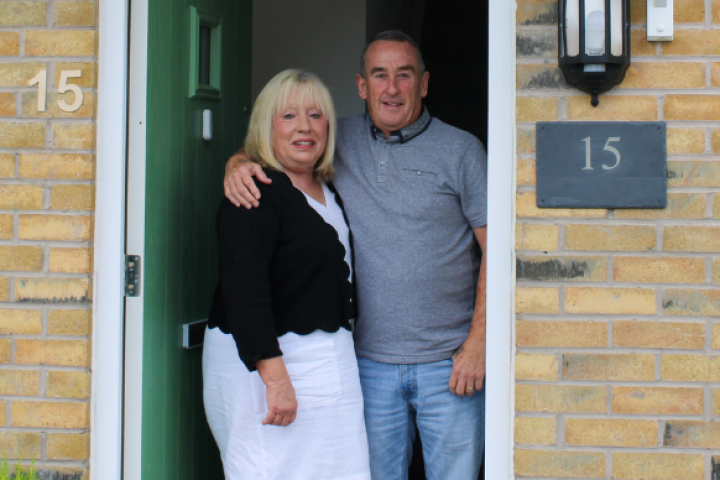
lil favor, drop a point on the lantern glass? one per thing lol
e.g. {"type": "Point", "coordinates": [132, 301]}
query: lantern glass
{"type": "Point", "coordinates": [616, 28]}
{"type": "Point", "coordinates": [594, 27]}
{"type": "Point", "coordinates": [572, 27]}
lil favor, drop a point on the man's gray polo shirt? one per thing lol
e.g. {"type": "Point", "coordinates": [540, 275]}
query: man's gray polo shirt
{"type": "Point", "coordinates": [412, 202]}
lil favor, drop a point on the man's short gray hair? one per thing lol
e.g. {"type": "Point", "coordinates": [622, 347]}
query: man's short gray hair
{"type": "Point", "coordinates": [392, 36]}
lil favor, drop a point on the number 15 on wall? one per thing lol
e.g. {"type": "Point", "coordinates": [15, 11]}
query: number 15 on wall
{"type": "Point", "coordinates": [41, 81]}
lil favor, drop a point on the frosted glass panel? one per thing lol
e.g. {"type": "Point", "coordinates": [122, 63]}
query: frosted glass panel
{"type": "Point", "coordinates": [594, 27]}
{"type": "Point", "coordinates": [572, 27]}
{"type": "Point", "coordinates": [616, 29]}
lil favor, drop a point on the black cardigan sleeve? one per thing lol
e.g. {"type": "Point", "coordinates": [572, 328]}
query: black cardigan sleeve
{"type": "Point", "coordinates": [247, 241]}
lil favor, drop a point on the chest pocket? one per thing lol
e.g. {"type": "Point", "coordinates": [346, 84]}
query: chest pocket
{"type": "Point", "coordinates": [421, 174]}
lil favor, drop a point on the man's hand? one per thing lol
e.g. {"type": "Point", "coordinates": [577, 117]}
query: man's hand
{"type": "Point", "coordinates": [468, 370]}
{"type": "Point", "coordinates": [239, 185]}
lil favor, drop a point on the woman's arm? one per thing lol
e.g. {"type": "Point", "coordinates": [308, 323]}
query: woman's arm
{"type": "Point", "coordinates": [281, 401]}
{"type": "Point", "coordinates": [239, 185]}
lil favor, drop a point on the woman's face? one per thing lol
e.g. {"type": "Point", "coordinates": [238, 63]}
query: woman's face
{"type": "Point", "coordinates": [299, 136]}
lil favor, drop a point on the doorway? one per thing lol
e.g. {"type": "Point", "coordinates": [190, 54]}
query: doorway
{"type": "Point", "coordinates": [181, 171]}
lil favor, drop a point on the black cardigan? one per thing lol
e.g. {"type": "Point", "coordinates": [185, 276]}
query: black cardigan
{"type": "Point", "coordinates": [282, 269]}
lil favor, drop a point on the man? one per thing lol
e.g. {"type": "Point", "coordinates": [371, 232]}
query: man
{"type": "Point", "coordinates": [414, 189]}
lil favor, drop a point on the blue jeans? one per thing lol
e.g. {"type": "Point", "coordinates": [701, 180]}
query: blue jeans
{"type": "Point", "coordinates": [452, 428]}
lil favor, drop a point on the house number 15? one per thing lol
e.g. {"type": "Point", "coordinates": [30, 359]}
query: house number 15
{"type": "Point", "coordinates": [41, 81]}
{"type": "Point", "coordinates": [608, 147]}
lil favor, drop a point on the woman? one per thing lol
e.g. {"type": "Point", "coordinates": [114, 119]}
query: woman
{"type": "Point", "coordinates": [281, 387]}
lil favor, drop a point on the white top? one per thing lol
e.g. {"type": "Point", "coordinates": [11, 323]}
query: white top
{"type": "Point", "coordinates": [333, 216]}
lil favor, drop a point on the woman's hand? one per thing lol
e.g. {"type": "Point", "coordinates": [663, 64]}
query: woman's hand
{"type": "Point", "coordinates": [239, 185]}
{"type": "Point", "coordinates": [281, 401]}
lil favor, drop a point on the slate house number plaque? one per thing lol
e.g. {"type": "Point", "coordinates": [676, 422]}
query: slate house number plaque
{"type": "Point", "coordinates": [601, 165]}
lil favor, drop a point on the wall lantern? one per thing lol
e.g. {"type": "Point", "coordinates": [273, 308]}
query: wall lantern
{"type": "Point", "coordinates": [594, 44]}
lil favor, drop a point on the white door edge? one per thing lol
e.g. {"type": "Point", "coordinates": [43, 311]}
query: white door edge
{"type": "Point", "coordinates": [106, 459]}
{"type": "Point", "coordinates": [106, 402]}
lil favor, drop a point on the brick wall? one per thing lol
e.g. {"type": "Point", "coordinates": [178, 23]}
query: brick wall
{"type": "Point", "coordinates": [618, 311]}
{"type": "Point", "coordinates": [46, 203]}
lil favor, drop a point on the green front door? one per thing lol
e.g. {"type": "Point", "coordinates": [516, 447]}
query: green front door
{"type": "Point", "coordinates": [198, 59]}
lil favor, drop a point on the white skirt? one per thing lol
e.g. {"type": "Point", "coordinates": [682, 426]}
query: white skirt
{"type": "Point", "coordinates": [327, 440]}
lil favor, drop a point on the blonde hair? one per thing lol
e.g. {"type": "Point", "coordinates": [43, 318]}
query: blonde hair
{"type": "Point", "coordinates": [289, 84]}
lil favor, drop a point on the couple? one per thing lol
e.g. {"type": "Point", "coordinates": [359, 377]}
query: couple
{"type": "Point", "coordinates": [278, 350]}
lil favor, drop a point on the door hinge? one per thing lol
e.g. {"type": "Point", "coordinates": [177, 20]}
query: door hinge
{"type": "Point", "coordinates": [132, 275]}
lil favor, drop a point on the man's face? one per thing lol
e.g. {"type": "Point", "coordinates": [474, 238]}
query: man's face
{"type": "Point", "coordinates": [392, 87]}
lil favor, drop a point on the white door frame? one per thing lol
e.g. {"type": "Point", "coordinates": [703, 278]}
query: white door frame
{"type": "Point", "coordinates": [116, 406]}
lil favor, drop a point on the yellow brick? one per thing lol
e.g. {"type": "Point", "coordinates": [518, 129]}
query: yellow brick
{"type": "Point", "coordinates": [62, 166]}
{"type": "Point", "coordinates": [71, 197]}
{"type": "Point", "coordinates": [526, 172]}
{"type": "Point", "coordinates": [530, 366]}
{"type": "Point", "coordinates": [657, 400]}
{"type": "Point", "coordinates": [659, 269]}
{"type": "Point", "coordinates": [87, 80]}
{"type": "Point", "coordinates": [639, 45]}
{"type": "Point", "coordinates": [561, 334]}
{"type": "Point", "coordinates": [68, 322]}
{"type": "Point", "coordinates": [73, 137]}
{"type": "Point", "coordinates": [9, 44]}
{"type": "Point", "coordinates": [658, 466]}
{"type": "Point", "coordinates": [715, 75]}
{"type": "Point", "coordinates": [716, 11]}
{"type": "Point", "coordinates": [25, 443]}
{"type": "Point", "coordinates": [559, 398]}
{"type": "Point", "coordinates": [716, 402]}
{"type": "Point", "coordinates": [4, 352]}
{"type": "Point", "coordinates": [693, 42]}
{"type": "Point", "coordinates": [2, 414]}
{"type": "Point", "coordinates": [527, 207]}
{"type": "Point", "coordinates": [610, 300]}
{"type": "Point", "coordinates": [71, 260]}
{"type": "Point", "coordinates": [619, 367]}
{"type": "Point", "coordinates": [533, 12]}
{"type": "Point", "coordinates": [7, 165]}
{"type": "Point", "coordinates": [628, 238]}
{"type": "Point", "coordinates": [23, 13]}
{"type": "Point", "coordinates": [692, 434]}
{"type": "Point", "coordinates": [86, 110]}
{"type": "Point", "coordinates": [613, 107]}
{"type": "Point", "coordinates": [52, 290]}
{"type": "Point", "coordinates": [71, 353]}
{"type": "Point", "coordinates": [611, 432]}
{"type": "Point", "coordinates": [68, 446]}
{"type": "Point", "coordinates": [22, 135]}
{"type": "Point", "coordinates": [536, 237]}
{"type": "Point", "coordinates": [685, 140]}
{"type": "Point", "coordinates": [671, 335]}
{"type": "Point", "coordinates": [691, 368]}
{"type": "Point", "coordinates": [20, 382]}
{"type": "Point", "coordinates": [534, 109]}
{"type": "Point", "coordinates": [19, 74]}
{"type": "Point", "coordinates": [536, 300]}
{"type": "Point", "coordinates": [679, 205]}
{"type": "Point", "coordinates": [525, 140]}
{"type": "Point", "coordinates": [20, 258]}
{"type": "Point", "coordinates": [49, 415]}
{"type": "Point", "coordinates": [7, 104]}
{"type": "Point", "coordinates": [64, 43]}
{"type": "Point", "coordinates": [555, 464]}
{"type": "Point", "coordinates": [638, 12]}
{"type": "Point", "coordinates": [4, 289]}
{"type": "Point", "coordinates": [664, 75]}
{"type": "Point", "coordinates": [694, 174]}
{"type": "Point", "coordinates": [686, 11]}
{"type": "Point", "coordinates": [716, 205]}
{"type": "Point", "coordinates": [20, 321]}
{"type": "Point", "coordinates": [54, 227]}
{"type": "Point", "coordinates": [6, 226]}
{"type": "Point", "coordinates": [692, 107]}
{"type": "Point", "coordinates": [20, 197]}
{"type": "Point", "coordinates": [691, 302]}
{"type": "Point", "coordinates": [535, 431]}
{"type": "Point", "coordinates": [75, 14]}
{"type": "Point", "coordinates": [550, 268]}
{"type": "Point", "coordinates": [688, 238]}
{"type": "Point", "coordinates": [536, 76]}
{"type": "Point", "coordinates": [68, 384]}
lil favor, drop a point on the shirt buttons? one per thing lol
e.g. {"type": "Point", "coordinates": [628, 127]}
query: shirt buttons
{"type": "Point", "coordinates": [419, 172]}
{"type": "Point", "coordinates": [382, 163]}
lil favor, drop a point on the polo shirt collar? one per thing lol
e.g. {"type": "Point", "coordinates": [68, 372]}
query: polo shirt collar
{"type": "Point", "coordinates": [405, 134]}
